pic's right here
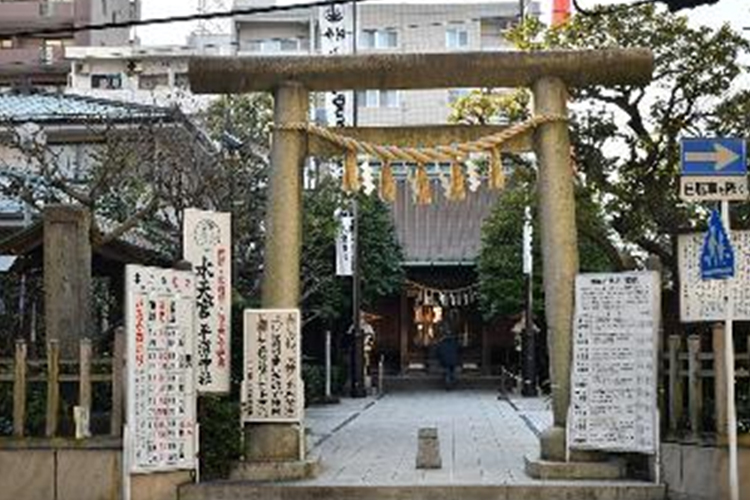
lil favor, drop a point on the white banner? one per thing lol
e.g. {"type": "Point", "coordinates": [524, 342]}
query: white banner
{"type": "Point", "coordinates": [272, 389]}
{"type": "Point", "coordinates": [336, 38]}
{"type": "Point", "coordinates": [161, 418]}
{"type": "Point", "coordinates": [344, 244]}
{"type": "Point", "coordinates": [615, 353]}
{"type": "Point", "coordinates": [207, 245]}
{"type": "Point", "coordinates": [704, 300]}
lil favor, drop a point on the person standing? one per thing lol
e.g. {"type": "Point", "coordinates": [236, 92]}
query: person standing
{"type": "Point", "coordinates": [448, 347]}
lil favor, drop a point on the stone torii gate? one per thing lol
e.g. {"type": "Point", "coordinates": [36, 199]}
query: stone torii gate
{"type": "Point", "coordinates": [549, 74]}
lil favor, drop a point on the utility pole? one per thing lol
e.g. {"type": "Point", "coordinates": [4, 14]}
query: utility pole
{"type": "Point", "coordinates": [358, 346]}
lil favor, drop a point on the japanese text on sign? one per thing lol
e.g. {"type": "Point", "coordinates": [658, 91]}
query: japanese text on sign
{"type": "Point", "coordinates": [272, 386]}
{"type": "Point", "coordinates": [161, 394]}
{"type": "Point", "coordinates": [705, 300]}
{"type": "Point", "coordinates": [207, 245]}
{"type": "Point", "coordinates": [614, 373]}
{"type": "Point", "coordinates": [336, 28]}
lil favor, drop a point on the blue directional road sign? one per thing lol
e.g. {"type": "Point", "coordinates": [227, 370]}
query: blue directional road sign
{"type": "Point", "coordinates": [717, 256]}
{"type": "Point", "coordinates": [707, 157]}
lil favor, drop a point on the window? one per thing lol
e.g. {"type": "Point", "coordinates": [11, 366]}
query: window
{"type": "Point", "coordinates": [379, 39]}
{"type": "Point", "coordinates": [273, 45]}
{"type": "Point", "coordinates": [378, 99]}
{"type": "Point", "coordinates": [150, 82]}
{"type": "Point", "coordinates": [456, 38]}
{"type": "Point", "coordinates": [6, 43]}
{"type": "Point", "coordinates": [181, 80]}
{"type": "Point", "coordinates": [106, 81]}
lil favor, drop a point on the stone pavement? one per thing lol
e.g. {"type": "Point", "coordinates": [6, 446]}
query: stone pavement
{"type": "Point", "coordinates": [368, 450]}
{"type": "Point", "coordinates": [536, 412]}
{"type": "Point", "coordinates": [483, 440]}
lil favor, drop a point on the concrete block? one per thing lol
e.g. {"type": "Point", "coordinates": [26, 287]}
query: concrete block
{"type": "Point", "coordinates": [89, 474]}
{"type": "Point", "coordinates": [552, 442]}
{"type": "Point", "coordinates": [428, 449]}
{"type": "Point", "coordinates": [275, 471]}
{"type": "Point", "coordinates": [27, 474]}
{"type": "Point", "coordinates": [158, 485]}
{"type": "Point", "coordinates": [549, 470]}
{"type": "Point", "coordinates": [273, 442]}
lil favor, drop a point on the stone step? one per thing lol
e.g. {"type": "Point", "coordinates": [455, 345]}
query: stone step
{"type": "Point", "coordinates": [549, 490]}
{"type": "Point", "coordinates": [423, 381]}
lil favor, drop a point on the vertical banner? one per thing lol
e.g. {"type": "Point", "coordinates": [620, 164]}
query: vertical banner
{"type": "Point", "coordinates": [344, 243]}
{"type": "Point", "coordinates": [615, 362]}
{"type": "Point", "coordinates": [207, 245]}
{"type": "Point", "coordinates": [272, 387]}
{"type": "Point", "coordinates": [161, 415]}
{"type": "Point", "coordinates": [336, 38]}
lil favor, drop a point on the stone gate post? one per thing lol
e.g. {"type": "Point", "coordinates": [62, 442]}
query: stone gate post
{"type": "Point", "coordinates": [559, 250]}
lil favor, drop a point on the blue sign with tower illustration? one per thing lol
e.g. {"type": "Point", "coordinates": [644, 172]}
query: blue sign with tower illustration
{"type": "Point", "coordinates": [717, 256]}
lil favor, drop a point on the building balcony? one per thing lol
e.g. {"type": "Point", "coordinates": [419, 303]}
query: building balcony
{"type": "Point", "coordinates": [19, 15]}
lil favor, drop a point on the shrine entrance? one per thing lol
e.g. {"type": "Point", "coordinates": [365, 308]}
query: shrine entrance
{"type": "Point", "coordinates": [548, 74]}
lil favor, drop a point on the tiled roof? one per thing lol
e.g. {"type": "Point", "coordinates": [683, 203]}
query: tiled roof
{"type": "Point", "coordinates": [444, 231]}
{"type": "Point", "coordinates": [41, 106]}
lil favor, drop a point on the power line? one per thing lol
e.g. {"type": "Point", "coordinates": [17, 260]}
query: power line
{"type": "Point", "coordinates": [173, 19]}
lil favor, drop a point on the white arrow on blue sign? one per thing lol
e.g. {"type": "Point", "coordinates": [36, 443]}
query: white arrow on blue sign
{"type": "Point", "coordinates": [720, 157]}
{"type": "Point", "coordinates": [717, 255]}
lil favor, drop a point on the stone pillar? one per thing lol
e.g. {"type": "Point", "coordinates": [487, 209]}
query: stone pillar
{"type": "Point", "coordinates": [281, 278]}
{"type": "Point", "coordinates": [67, 276]}
{"type": "Point", "coordinates": [559, 250]}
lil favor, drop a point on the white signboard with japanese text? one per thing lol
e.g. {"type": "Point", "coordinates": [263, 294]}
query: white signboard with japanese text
{"type": "Point", "coordinates": [272, 388]}
{"type": "Point", "coordinates": [614, 373]}
{"type": "Point", "coordinates": [705, 300]}
{"type": "Point", "coordinates": [207, 245]}
{"type": "Point", "coordinates": [161, 396]}
{"type": "Point", "coordinates": [336, 38]}
{"type": "Point", "coordinates": [345, 244]}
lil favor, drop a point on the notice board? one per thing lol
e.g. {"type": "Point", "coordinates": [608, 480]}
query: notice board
{"type": "Point", "coordinates": [161, 395]}
{"type": "Point", "coordinates": [614, 372]}
{"type": "Point", "coordinates": [705, 300]}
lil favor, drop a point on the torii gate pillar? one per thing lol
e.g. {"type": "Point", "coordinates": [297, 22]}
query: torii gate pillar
{"type": "Point", "coordinates": [559, 250]}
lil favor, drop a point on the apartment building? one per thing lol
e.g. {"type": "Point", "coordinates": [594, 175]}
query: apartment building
{"type": "Point", "coordinates": [152, 75]}
{"type": "Point", "coordinates": [38, 59]}
{"type": "Point", "coordinates": [388, 27]}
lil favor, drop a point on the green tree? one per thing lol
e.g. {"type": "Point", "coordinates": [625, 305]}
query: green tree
{"type": "Point", "coordinates": [502, 284]}
{"type": "Point", "coordinates": [325, 295]}
{"type": "Point", "coordinates": [626, 138]}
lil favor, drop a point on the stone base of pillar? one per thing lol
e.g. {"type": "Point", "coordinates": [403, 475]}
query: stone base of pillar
{"type": "Point", "coordinates": [582, 465]}
{"type": "Point", "coordinates": [275, 452]}
{"type": "Point", "coordinates": [274, 443]}
{"type": "Point", "coordinates": [555, 470]}
{"type": "Point", "coordinates": [276, 471]}
{"type": "Point", "coordinates": [552, 442]}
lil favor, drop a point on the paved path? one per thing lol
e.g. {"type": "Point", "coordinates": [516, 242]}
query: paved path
{"type": "Point", "coordinates": [483, 440]}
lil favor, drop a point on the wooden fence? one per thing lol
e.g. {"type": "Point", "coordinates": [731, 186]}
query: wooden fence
{"type": "Point", "coordinates": [687, 368]}
{"type": "Point", "coordinates": [53, 371]}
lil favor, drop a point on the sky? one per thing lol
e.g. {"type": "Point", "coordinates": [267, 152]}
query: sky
{"type": "Point", "coordinates": [735, 12]}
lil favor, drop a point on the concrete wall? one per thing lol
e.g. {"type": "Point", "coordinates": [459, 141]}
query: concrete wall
{"type": "Point", "coordinates": [694, 472]}
{"type": "Point", "coordinates": [78, 474]}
